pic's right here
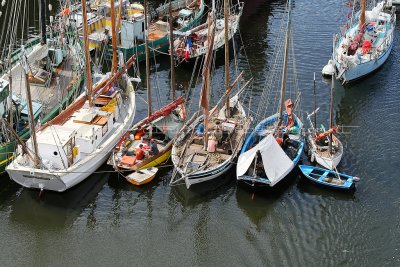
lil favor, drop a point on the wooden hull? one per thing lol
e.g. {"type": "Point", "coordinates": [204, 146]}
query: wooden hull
{"type": "Point", "coordinates": [328, 178]}
{"type": "Point", "coordinates": [142, 177]}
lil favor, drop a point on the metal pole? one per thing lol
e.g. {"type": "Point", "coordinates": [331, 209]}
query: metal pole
{"type": "Point", "coordinates": [87, 56]}
{"type": "Point", "coordinates": [226, 29]}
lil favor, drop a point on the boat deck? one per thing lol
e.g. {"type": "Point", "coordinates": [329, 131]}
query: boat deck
{"type": "Point", "coordinates": [194, 157]}
{"type": "Point", "coordinates": [48, 95]}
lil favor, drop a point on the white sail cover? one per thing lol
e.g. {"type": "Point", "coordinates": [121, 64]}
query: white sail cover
{"type": "Point", "coordinates": [275, 161]}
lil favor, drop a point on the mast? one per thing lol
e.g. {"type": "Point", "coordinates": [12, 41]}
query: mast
{"type": "Point", "coordinates": [36, 159]}
{"type": "Point", "coordinates": [315, 105]}
{"type": "Point", "coordinates": [146, 42]}
{"type": "Point", "coordinates": [114, 38]}
{"type": "Point", "coordinates": [226, 29]}
{"type": "Point", "coordinates": [331, 114]}
{"type": "Point", "coordinates": [42, 4]}
{"type": "Point", "coordinates": [283, 82]}
{"type": "Point", "coordinates": [362, 15]}
{"type": "Point", "coordinates": [171, 49]}
{"type": "Point", "coordinates": [87, 56]}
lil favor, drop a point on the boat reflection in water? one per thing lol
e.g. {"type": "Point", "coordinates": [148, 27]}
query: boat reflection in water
{"type": "Point", "coordinates": [53, 210]}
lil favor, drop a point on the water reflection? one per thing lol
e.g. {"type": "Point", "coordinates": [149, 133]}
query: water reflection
{"type": "Point", "coordinates": [54, 210]}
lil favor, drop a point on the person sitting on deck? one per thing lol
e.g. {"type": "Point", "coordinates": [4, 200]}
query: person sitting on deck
{"type": "Point", "coordinates": [140, 153]}
{"type": "Point", "coordinates": [145, 144]}
{"type": "Point", "coordinates": [200, 129]}
{"type": "Point", "coordinates": [218, 135]}
{"type": "Point", "coordinates": [290, 122]}
{"type": "Point", "coordinates": [212, 144]}
{"type": "Point", "coordinates": [321, 138]}
{"type": "Point", "coordinates": [153, 147]}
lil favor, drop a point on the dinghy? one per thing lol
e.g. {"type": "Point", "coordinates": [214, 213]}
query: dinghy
{"type": "Point", "coordinates": [328, 178]}
{"type": "Point", "coordinates": [143, 176]}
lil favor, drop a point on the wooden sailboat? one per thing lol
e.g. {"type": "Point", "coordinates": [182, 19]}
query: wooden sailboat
{"type": "Point", "coordinates": [78, 141]}
{"type": "Point", "coordinates": [365, 43]}
{"type": "Point", "coordinates": [54, 68]}
{"type": "Point", "coordinates": [193, 43]}
{"type": "Point", "coordinates": [199, 156]}
{"type": "Point", "coordinates": [159, 128]}
{"type": "Point", "coordinates": [262, 160]}
{"type": "Point", "coordinates": [323, 146]}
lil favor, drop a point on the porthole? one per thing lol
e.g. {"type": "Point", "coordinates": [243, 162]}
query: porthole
{"type": "Point", "coordinates": [55, 153]}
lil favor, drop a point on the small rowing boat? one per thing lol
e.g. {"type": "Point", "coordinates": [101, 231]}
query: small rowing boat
{"type": "Point", "coordinates": [328, 178]}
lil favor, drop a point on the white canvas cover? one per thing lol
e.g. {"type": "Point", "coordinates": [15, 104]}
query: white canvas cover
{"type": "Point", "coordinates": [276, 163]}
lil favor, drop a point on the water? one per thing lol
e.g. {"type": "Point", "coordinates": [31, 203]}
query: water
{"type": "Point", "coordinates": [107, 221]}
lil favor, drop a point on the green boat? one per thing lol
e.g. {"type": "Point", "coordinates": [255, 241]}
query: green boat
{"type": "Point", "coordinates": [186, 15]}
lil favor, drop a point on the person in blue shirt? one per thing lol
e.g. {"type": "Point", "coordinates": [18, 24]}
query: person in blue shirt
{"type": "Point", "coordinates": [153, 147]}
{"type": "Point", "coordinates": [200, 129]}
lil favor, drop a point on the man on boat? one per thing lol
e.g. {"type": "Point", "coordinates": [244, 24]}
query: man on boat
{"type": "Point", "coordinates": [212, 144]}
{"type": "Point", "coordinates": [140, 152]}
{"type": "Point", "coordinates": [153, 147]}
{"type": "Point", "coordinates": [200, 129]}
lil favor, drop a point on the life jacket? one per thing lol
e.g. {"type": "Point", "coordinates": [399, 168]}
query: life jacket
{"type": "Point", "coordinates": [139, 153]}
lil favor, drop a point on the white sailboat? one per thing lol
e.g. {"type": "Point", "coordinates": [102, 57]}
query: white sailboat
{"type": "Point", "coordinates": [365, 42]}
{"type": "Point", "coordinates": [323, 146]}
{"type": "Point", "coordinates": [73, 145]}
{"type": "Point", "coordinates": [196, 158]}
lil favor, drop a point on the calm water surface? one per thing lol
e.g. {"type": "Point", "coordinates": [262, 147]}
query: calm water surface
{"type": "Point", "coordinates": [106, 221]}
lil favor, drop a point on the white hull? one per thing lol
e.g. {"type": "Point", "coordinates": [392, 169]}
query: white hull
{"type": "Point", "coordinates": [328, 162]}
{"type": "Point", "coordinates": [61, 180]}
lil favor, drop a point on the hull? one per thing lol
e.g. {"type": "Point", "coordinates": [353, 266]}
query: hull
{"type": "Point", "coordinates": [61, 180]}
{"type": "Point", "coordinates": [327, 178]}
{"type": "Point", "coordinates": [250, 142]}
{"type": "Point", "coordinates": [210, 173]}
{"type": "Point", "coordinates": [321, 157]}
{"type": "Point", "coordinates": [362, 70]}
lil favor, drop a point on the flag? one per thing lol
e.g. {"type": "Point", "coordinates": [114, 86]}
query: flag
{"type": "Point", "coordinates": [188, 47]}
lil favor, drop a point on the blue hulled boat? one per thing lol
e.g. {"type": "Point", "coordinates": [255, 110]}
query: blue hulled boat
{"type": "Point", "coordinates": [328, 178]}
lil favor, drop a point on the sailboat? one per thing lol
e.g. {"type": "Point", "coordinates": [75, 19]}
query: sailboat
{"type": "Point", "coordinates": [54, 65]}
{"type": "Point", "coordinates": [274, 148]}
{"type": "Point", "coordinates": [160, 128]}
{"type": "Point", "coordinates": [210, 141]}
{"type": "Point", "coordinates": [74, 144]}
{"type": "Point", "coordinates": [365, 42]}
{"type": "Point", "coordinates": [193, 43]}
{"type": "Point", "coordinates": [323, 146]}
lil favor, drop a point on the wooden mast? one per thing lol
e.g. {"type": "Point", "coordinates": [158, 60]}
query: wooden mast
{"type": "Point", "coordinates": [362, 15]}
{"type": "Point", "coordinates": [36, 159]}
{"type": "Point", "coordinates": [171, 49]}
{"type": "Point", "coordinates": [283, 82]}
{"type": "Point", "coordinates": [42, 4]}
{"type": "Point", "coordinates": [315, 105]}
{"type": "Point", "coordinates": [146, 42]}
{"type": "Point", "coordinates": [114, 38]}
{"type": "Point", "coordinates": [331, 114]}
{"type": "Point", "coordinates": [87, 56]}
{"type": "Point", "coordinates": [226, 29]}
